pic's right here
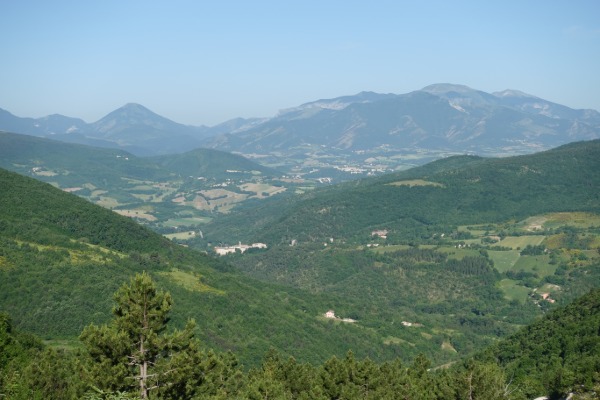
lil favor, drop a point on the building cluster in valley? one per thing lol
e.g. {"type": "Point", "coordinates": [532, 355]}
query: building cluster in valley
{"type": "Point", "coordinates": [224, 250]}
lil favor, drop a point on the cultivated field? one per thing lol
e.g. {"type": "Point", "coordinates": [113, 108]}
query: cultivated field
{"type": "Point", "coordinates": [520, 242]}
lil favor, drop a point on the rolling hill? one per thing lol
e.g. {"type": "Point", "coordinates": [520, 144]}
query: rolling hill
{"type": "Point", "coordinates": [149, 187]}
{"type": "Point", "coordinates": [210, 163]}
{"type": "Point", "coordinates": [427, 293]}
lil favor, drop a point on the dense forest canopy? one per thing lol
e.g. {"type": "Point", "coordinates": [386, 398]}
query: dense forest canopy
{"type": "Point", "coordinates": [134, 357]}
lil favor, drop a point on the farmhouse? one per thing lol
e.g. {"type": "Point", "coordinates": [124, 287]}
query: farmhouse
{"type": "Point", "coordinates": [413, 324]}
{"type": "Point", "coordinates": [382, 233]}
{"type": "Point", "coordinates": [331, 315]}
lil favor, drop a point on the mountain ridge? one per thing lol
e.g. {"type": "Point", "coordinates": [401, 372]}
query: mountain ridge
{"type": "Point", "coordinates": [486, 123]}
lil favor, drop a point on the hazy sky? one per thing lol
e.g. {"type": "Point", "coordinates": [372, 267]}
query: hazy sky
{"type": "Point", "coordinates": [203, 62]}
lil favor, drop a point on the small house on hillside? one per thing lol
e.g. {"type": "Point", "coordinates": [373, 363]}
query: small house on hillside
{"type": "Point", "coordinates": [382, 233]}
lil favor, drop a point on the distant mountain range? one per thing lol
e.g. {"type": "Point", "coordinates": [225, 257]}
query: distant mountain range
{"type": "Point", "coordinates": [133, 128]}
{"type": "Point", "coordinates": [438, 117]}
{"type": "Point", "coordinates": [442, 116]}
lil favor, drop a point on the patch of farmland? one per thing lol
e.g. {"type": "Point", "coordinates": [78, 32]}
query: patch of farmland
{"type": "Point", "coordinates": [98, 193]}
{"type": "Point", "coordinates": [144, 197]}
{"type": "Point", "coordinates": [415, 182]}
{"type": "Point", "coordinates": [262, 190]}
{"type": "Point", "coordinates": [520, 242]}
{"type": "Point", "coordinates": [504, 260]}
{"type": "Point", "coordinates": [136, 214]}
{"type": "Point", "coordinates": [45, 173]}
{"type": "Point", "coordinates": [143, 188]}
{"type": "Point", "coordinates": [513, 291]}
{"type": "Point", "coordinates": [218, 200]}
{"type": "Point", "coordinates": [577, 219]}
{"type": "Point", "coordinates": [174, 222]}
{"type": "Point", "coordinates": [539, 265]}
{"type": "Point", "coordinates": [107, 202]}
{"type": "Point", "coordinates": [458, 254]}
{"type": "Point", "coordinates": [187, 235]}
{"type": "Point", "coordinates": [535, 223]}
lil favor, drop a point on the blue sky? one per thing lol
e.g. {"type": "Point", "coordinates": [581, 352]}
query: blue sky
{"type": "Point", "coordinates": [204, 62]}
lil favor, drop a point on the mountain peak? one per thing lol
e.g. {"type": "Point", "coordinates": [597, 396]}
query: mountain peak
{"type": "Point", "coordinates": [441, 88]}
{"type": "Point", "coordinates": [133, 111]}
{"type": "Point", "coordinates": [134, 107]}
{"type": "Point", "coordinates": [512, 93]}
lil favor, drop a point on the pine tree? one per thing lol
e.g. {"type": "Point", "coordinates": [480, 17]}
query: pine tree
{"type": "Point", "coordinates": [134, 351]}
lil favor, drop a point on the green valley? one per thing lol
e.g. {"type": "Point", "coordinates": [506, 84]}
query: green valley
{"type": "Point", "coordinates": [437, 262]}
{"type": "Point", "coordinates": [172, 194]}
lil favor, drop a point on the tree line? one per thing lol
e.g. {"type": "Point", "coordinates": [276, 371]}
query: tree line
{"type": "Point", "coordinates": [136, 356]}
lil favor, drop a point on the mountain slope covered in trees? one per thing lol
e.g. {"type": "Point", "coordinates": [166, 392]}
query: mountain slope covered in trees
{"type": "Point", "coordinates": [449, 192]}
{"type": "Point", "coordinates": [133, 357]}
{"type": "Point", "coordinates": [61, 257]}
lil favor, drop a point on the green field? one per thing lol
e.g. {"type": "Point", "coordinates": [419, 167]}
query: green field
{"type": "Point", "coordinates": [504, 260]}
{"type": "Point", "coordinates": [539, 265]}
{"type": "Point", "coordinates": [514, 291]}
{"type": "Point", "coordinates": [577, 219]}
{"type": "Point", "coordinates": [174, 222]}
{"type": "Point", "coordinates": [181, 235]}
{"type": "Point", "coordinates": [520, 242]}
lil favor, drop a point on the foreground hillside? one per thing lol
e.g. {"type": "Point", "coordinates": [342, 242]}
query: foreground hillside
{"type": "Point", "coordinates": [558, 356]}
{"type": "Point", "coordinates": [62, 257]}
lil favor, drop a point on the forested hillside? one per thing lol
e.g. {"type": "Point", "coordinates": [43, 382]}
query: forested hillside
{"type": "Point", "coordinates": [449, 192]}
{"type": "Point", "coordinates": [134, 357]}
{"type": "Point", "coordinates": [401, 284]}
{"type": "Point", "coordinates": [62, 257]}
{"type": "Point", "coordinates": [442, 259]}
{"type": "Point", "coordinates": [555, 355]}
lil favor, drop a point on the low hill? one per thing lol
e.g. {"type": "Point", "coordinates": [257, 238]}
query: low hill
{"type": "Point", "coordinates": [211, 163]}
{"type": "Point", "coordinates": [152, 188]}
{"type": "Point", "coordinates": [70, 164]}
